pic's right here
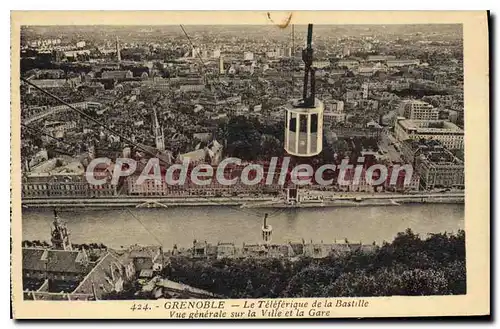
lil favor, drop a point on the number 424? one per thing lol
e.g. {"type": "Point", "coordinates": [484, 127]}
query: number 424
{"type": "Point", "coordinates": [140, 307]}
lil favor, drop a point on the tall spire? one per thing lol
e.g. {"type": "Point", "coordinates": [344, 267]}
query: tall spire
{"type": "Point", "coordinates": [118, 54]}
{"type": "Point", "coordinates": [60, 235]}
{"type": "Point", "coordinates": [159, 139]}
{"type": "Point", "coordinates": [221, 65]}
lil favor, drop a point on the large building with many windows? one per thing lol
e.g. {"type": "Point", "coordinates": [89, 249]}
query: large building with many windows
{"type": "Point", "coordinates": [418, 110]}
{"type": "Point", "coordinates": [436, 166]}
{"type": "Point", "coordinates": [402, 62]}
{"type": "Point", "coordinates": [450, 135]}
{"type": "Point", "coordinates": [65, 177]}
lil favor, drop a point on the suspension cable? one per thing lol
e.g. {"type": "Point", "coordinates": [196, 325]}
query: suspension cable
{"type": "Point", "coordinates": [88, 117]}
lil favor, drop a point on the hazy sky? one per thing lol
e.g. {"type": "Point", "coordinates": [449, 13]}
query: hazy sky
{"type": "Point", "coordinates": [150, 32]}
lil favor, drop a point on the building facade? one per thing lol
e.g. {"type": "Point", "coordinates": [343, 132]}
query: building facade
{"type": "Point", "coordinates": [418, 110]}
{"type": "Point", "coordinates": [449, 134]}
{"type": "Point", "coordinates": [63, 273]}
{"type": "Point", "coordinates": [437, 167]}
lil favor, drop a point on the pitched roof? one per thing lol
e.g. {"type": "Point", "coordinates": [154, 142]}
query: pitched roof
{"type": "Point", "coordinates": [146, 273]}
{"type": "Point", "coordinates": [168, 284]}
{"type": "Point", "coordinates": [196, 155]}
{"type": "Point", "coordinates": [64, 261]}
{"type": "Point", "coordinates": [32, 259]}
{"type": "Point", "coordinates": [51, 260]}
{"type": "Point", "coordinates": [101, 276]}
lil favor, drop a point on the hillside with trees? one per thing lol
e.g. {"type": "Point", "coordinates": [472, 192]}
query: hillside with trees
{"type": "Point", "coordinates": [409, 265]}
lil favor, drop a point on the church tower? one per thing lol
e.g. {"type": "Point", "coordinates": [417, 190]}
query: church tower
{"type": "Point", "coordinates": [60, 235]}
{"type": "Point", "coordinates": [221, 65]}
{"type": "Point", "coordinates": [118, 55]}
{"type": "Point", "coordinates": [364, 89]}
{"type": "Point", "coordinates": [159, 139]}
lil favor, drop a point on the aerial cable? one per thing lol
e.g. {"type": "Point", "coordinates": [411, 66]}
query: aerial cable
{"type": "Point", "coordinates": [198, 55]}
{"type": "Point", "coordinates": [144, 226]}
{"type": "Point", "coordinates": [88, 117]}
{"type": "Point", "coordinates": [46, 134]}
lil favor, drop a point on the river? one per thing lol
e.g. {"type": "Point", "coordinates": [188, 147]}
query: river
{"type": "Point", "coordinates": [123, 227]}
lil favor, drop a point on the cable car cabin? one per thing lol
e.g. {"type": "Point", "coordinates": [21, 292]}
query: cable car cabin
{"type": "Point", "coordinates": [304, 117]}
{"type": "Point", "coordinates": [304, 129]}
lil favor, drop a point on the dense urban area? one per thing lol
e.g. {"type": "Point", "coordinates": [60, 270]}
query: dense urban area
{"type": "Point", "coordinates": [392, 94]}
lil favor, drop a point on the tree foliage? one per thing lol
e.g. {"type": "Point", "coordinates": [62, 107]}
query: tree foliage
{"type": "Point", "coordinates": [249, 139]}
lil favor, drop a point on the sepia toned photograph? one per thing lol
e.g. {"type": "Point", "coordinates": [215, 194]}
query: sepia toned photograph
{"type": "Point", "coordinates": [285, 167]}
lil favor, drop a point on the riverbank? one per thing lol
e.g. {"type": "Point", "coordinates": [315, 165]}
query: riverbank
{"type": "Point", "coordinates": [363, 203]}
{"type": "Point", "coordinates": [344, 200]}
